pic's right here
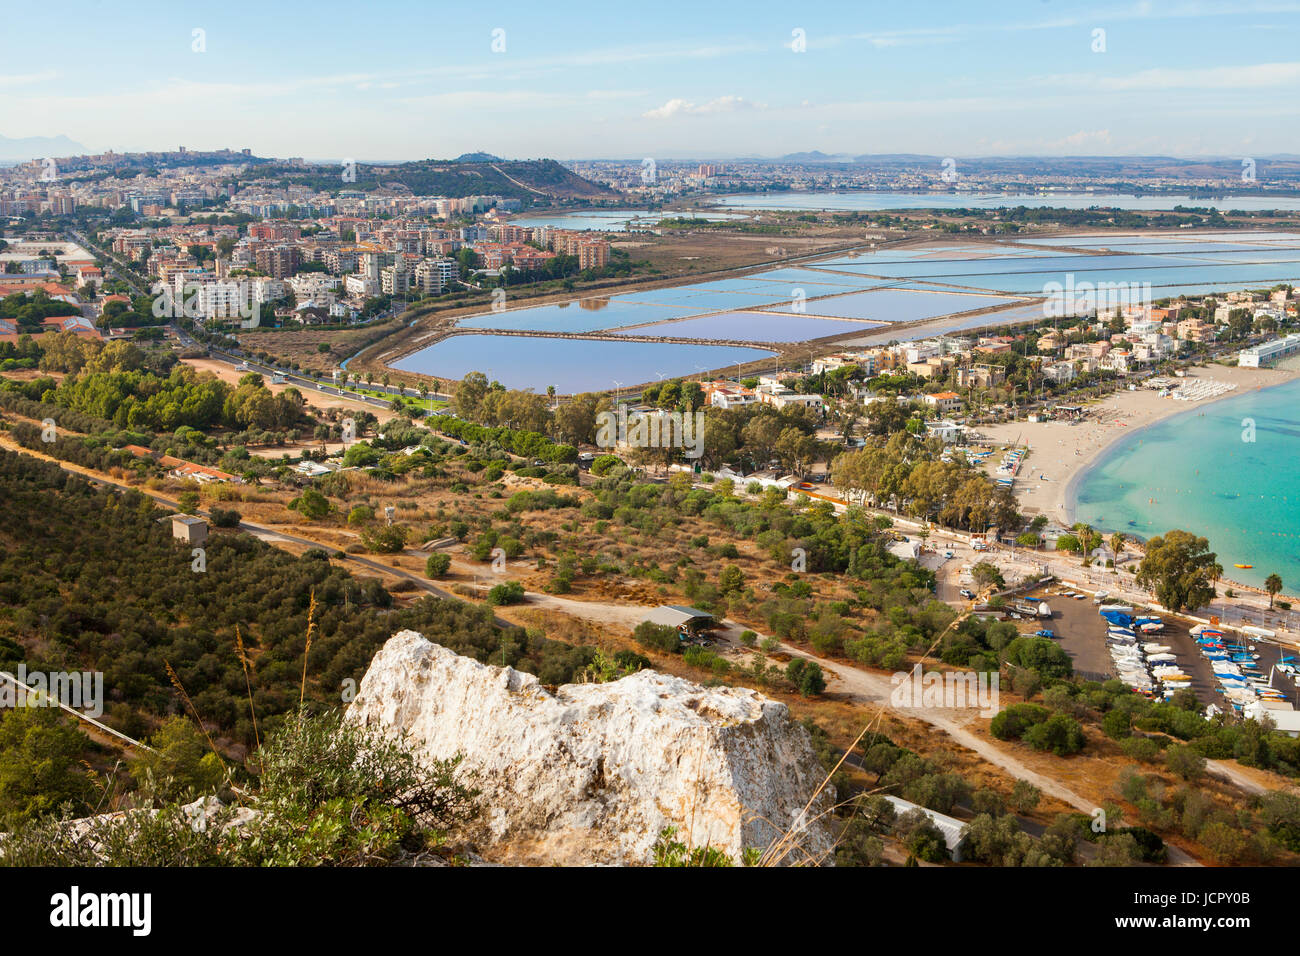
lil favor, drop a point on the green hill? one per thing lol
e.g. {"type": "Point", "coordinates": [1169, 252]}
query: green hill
{"type": "Point", "coordinates": [520, 179]}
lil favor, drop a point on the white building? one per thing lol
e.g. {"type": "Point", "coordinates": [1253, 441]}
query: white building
{"type": "Point", "coordinates": [362, 286]}
{"type": "Point", "coordinates": [733, 397]}
{"type": "Point", "coordinates": [1266, 352]}
{"type": "Point", "coordinates": [314, 285]}
{"type": "Point", "coordinates": [1059, 372]}
{"type": "Point", "coordinates": [947, 431]}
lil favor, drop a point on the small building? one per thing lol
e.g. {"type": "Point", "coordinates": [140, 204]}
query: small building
{"type": "Point", "coordinates": [689, 621]}
{"type": "Point", "coordinates": [946, 402]}
{"type": "Point", "coordinates": [946, 430]}
{"type": "Point", "coordinates": [189, 528]}
{"type": "Point", "coordinates": [953, 830]}
{"type": "Point", "coordinates": [312, 468]}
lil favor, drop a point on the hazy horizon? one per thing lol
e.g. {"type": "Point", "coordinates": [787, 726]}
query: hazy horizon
{"type": "Point", "coordinates": [402, 81]}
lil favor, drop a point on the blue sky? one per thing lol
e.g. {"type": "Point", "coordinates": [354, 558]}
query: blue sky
{"type": "Point", "coordinates": [619, 79]}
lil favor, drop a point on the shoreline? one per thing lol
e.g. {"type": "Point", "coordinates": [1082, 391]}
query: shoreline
{"type": "Point", "coordinates": [1069, 495]}
{"type": "Point", "coordinates": [1079, 449]}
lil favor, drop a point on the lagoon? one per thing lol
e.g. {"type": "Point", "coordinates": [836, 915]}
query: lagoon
{"type": "Point", "coordinates": [571, 365]}
{"type": "Point", "coordinates": [868, 200]}
{"type": "Point", "coordinates": [1196, 472]}
{"type": "Point", "coordinates": [754, 327]}
{"type": "Point", "coordinates": [615, 220]}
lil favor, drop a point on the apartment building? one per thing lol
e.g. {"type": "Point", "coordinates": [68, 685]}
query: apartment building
{"type": "Point", "coordinates": [279, 262]}
{"type": "Point", "coordinates": [395, 280]}
{"type": "Point", "coordinates": [945, 402]}
{"type": "Point", "coordinates": [433, 276]}
{"type": "Point", "coordinates": [593, 254]}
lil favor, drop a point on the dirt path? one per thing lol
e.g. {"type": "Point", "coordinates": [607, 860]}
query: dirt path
{"type": "Point", "coordinates": [865, 688]}
{"type": "Point", "coordinates": [1254, 782]}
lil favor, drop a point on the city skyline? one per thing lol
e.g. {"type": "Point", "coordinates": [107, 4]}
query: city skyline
{"type": "Point", "coordinates": [407, 82]}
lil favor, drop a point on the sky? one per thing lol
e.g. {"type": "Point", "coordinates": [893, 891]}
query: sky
{"type": "Point", "coordinates": [626, 79]}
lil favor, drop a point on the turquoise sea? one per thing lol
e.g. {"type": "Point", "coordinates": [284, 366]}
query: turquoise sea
{"type": "Point", "coordinates": [1201, 472]}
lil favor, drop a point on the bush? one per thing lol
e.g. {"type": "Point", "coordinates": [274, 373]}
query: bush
{"type": "Point", "coordinates": [659, 636]}
{"type": "Point", "coordinates": [806, 676]}
{"type": "Point", "coordinates": [1012, 722]}
{"type": "Point", "coordinates": [512, 592]}
{"type": "Point", "coordinates": [225, 518]}
{"type": "Point", "coordinates": [388, 539]}
{"type": "Point", "coordinates": [1058, 734]}
{"type": "Point", "coordinates": [311, 504]}
{"type": "Point", "coordinates": [437, 565]}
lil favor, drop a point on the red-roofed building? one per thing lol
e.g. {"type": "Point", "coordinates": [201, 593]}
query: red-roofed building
{"type": "Point", "coordinates": [77, 324]}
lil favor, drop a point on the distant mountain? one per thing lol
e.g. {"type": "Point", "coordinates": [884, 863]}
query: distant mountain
{"type": "Point", "coordinates": [38, 147]}
{"type": "Point", "coordinates": [477, 158]}
{"type": "Point", "coordinates": [815, 156]}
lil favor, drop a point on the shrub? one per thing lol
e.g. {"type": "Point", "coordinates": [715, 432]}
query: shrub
{"type": "Point", "coordinates": [806, 676]}
{"type": "Point", "coordinates": [1012, 722]}
{"type": "Point", "coordinates": [225, 518]}
{"type": "Point", "coordinates": [659, 636]}
{"type": "Point", "coordinates": [511, 592]}
{"type": "Point", "coordinates": [389, 539]}
{"type": "Point", "coordinates": [437, 565]}
{"type": "Point", "coordinates": [1058, 734]}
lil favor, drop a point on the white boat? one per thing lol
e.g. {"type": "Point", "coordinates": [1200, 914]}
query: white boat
{"type": "Point", "coordinates": [1156, 648]}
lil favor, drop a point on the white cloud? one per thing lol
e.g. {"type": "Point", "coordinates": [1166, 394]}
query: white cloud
{"type": "Point", "coordinates": [722, 104]}
{"type": "Point", "coordinates": [1253, 76]}
{"type": "Point", "coordinates": [26, 79]}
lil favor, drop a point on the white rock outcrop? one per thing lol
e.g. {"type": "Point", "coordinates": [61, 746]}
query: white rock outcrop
{"type": "Point", "coordinates": [594, 772]}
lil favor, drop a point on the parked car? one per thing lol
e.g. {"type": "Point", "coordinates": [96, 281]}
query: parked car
{"type": "Point", "coordinates": [1044, 633]}
{"type": "Point", "coordinates": [968, 594]}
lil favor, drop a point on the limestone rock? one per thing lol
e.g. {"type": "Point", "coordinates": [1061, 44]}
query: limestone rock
{"type": "Point", "coordinates": [593, 772]}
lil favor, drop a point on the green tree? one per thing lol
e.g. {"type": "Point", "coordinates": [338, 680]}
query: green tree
{"type": "Point", "coordinates": [40, 768]}
{"type": "Point", "coordinates": [1273, 585]}
{"type": "Point", "coordinates": [806, 676]}
{"type": "Point", "coordinates": [437, 565]}
{"type": "Point", "coordinates": [731, 579]}
{"type": "Point", "coordinates": [180, 764]}
{"type": "Point", "coordinates": [311, 504]}
{"type": "Point", "coordinates": [1177, 569]}
{"type": "Point", "coordinates": [986, 575]}
{"type": "Point", "coordinates": [1059, 734]}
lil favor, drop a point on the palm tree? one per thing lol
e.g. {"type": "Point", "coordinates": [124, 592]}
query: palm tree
{"type": "Point", "coordinates": [1117, 543]}
{"type": "Point", "coordinates": [1272, 584]}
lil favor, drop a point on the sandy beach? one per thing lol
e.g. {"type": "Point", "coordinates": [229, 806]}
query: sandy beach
{"type": "Point", "coordinates": [1060, 452]}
